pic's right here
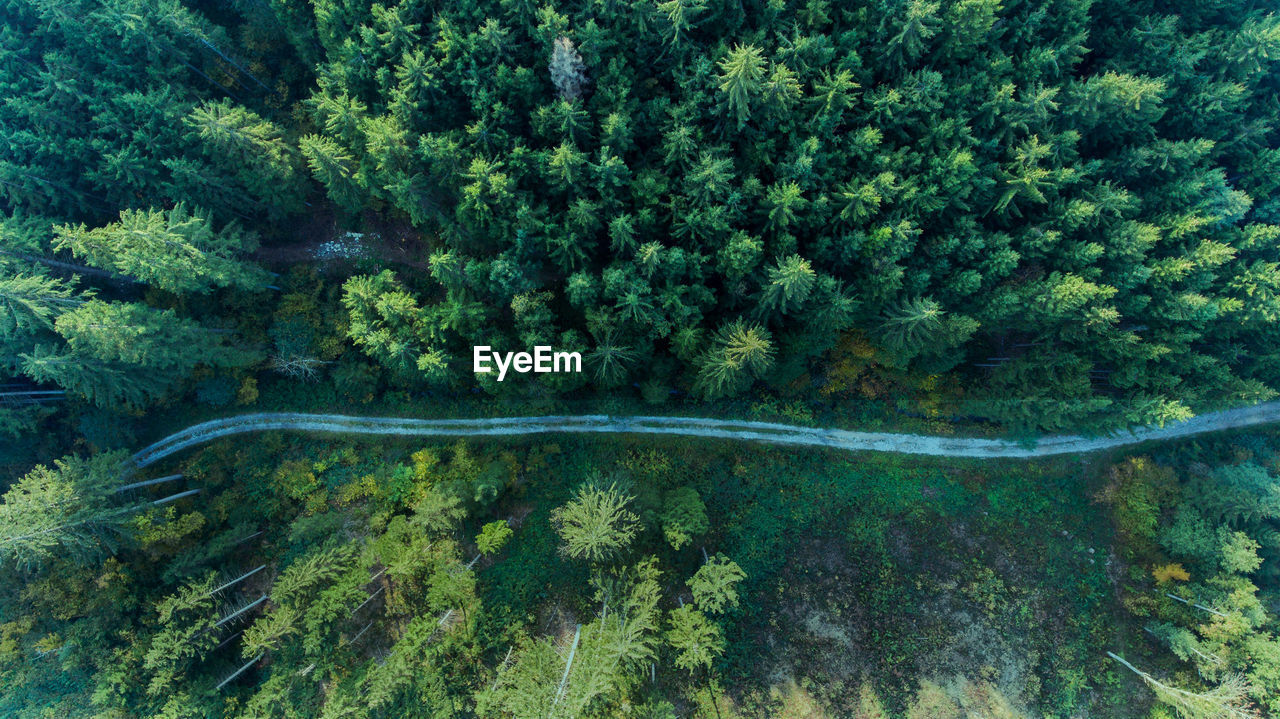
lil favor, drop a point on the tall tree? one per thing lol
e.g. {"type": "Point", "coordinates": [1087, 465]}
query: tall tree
{"type": "Point", "coordinates": [66, 510]}
{"type": "Point", "coordinates": [176, 250]}
{"type": "Point", "coordinates": [595, 525]}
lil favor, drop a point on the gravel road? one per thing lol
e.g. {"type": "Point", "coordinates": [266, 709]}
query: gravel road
{"type": "Point", "coordinates": [1259, 414]}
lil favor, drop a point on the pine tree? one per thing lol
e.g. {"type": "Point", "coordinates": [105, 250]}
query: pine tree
{"type": "Point", "coordinates": [252, 148]}
{"type": "Point", "coordinates": [334, 168]}
{"type": "Point", "coordinates": [31, 303]}
{"type": "Point", "coordinates": [683, 516]}
{"type": "Point", "coordinates": [738, 355]}
{"type": "Point", "coordinates": [187, 619]}
{"type": "Point", "coordinates": [133, 334]}
{"type": "Point", "coordinates": [791, 281]}
{"type": "Point", "coordinates": [595, 525]}
{"type": "Point", "coordinates": [714, 585]}
{"type": "Point", "coordinates": [63, 511]}
{"type": "Point", "coordinates": [175, 250]}
{"type": "Point", "coordinates": [741, 78]}
{"type": "Point", "coordinates": [696, 640]}
{"type": "Point", "coordinates": [102, 382]}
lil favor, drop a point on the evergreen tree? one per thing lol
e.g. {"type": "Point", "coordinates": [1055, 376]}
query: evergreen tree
{"type": "Point", "coordinates": [596, 524]}
{"type": "Point", "coordinates": [63, 511]}
{"type": "Point", "coordinates": [175, 250]}
{"type": "Point", "coordinates": [714, 585]}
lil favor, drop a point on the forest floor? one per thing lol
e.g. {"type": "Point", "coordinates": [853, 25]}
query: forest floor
{"type": "Point", "coordinates": [313, 238]}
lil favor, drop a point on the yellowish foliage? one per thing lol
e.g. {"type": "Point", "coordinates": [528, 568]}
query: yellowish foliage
{"type": "Point", "coordinates": [1170, 572]}
{"type": "Point", "coordinates": [296, 480]}
{"type": "Point", "coordinates": [48, 643]}
{"type": "Point", "coordinates": [164, 529]}
{"type": "Point", "coordinates": [649, 463]}
{"type": "Point", "coordinates": [248, 392]}
{"type": "Point", "coordinates": [424, 462]}
{"type": "Point", "coordinates": [850, 360]}
{"type": "Point", "coordinates": [932, 702]}
{"type": "Point", "coordinates": [10, 634]}
{"type": "Point", "coordinates": [795, 702]}
{"type": "Point", "coordinates": [366, 486]}
{"type": "Point", "coordinates": [869, 704]}
{"type": "Point", "coordinates": [982, 699]}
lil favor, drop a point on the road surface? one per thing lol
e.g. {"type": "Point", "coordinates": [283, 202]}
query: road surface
{"type": "Point", "coordinates": [768, 432]}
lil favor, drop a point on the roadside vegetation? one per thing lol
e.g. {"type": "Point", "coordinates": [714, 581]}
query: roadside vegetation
{"type": "Point", "coordinates": [312, 577]}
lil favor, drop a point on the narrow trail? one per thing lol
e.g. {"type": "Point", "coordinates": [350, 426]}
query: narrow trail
{"type": "Point", "coordinates": [767, 432]}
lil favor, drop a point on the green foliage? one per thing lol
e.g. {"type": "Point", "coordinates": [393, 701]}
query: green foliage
{"type": "Point", "coordinates": [595, 525]}
{"type": "Point", "coordinates": [737, 355]}
{"type": "Point", "coordinates": [493, 537]}
{"type": "Point", "coordinates": [1076, 228]}
{"type": "Point", "coordinates": [176, 250]}
{"type": "Point", "coordinates": [683, 517]}
{"type": "Point", "coordinates": [63, 511]}
{"type": "Point", "coordinates": [387, 322]}
{"type": "Point", "coordinates": [1137, 492]}
{"type": "Point", "coordinates": [695, 640]}
{"type": "Point", "coordinates": [714, 585]}
{"type": "Point", "coordinates": [31, 303]}
{"type": "Point", "coordinates": [186, 619]}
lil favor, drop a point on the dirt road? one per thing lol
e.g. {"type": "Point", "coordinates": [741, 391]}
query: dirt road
{"type": "Point", "coordinates": [936, 446]}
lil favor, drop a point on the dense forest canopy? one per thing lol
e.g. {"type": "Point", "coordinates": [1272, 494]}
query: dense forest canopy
{"type": "Point", "coordinates": [1070, 205]}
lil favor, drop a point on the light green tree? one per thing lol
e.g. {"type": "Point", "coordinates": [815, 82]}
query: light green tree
{"type": "Point", "coordinates": [64, 510]}
{"type": "Point", "coordinates": [176, 250]}
{"type": "Point", "coordinates": [493, 537]}
{"type": "Point", "coordinates": [715, 584]}
{"type": "Point", "coordinates": [696, 640]}
{"type": "Point", "coordinates": [741, 77]}
{"type": "Point", "coordinates": [683, 517]}
{"type": "Point", "coordinates": [738, 355]}
{"type": "Point", "coordinates": [596, 525]}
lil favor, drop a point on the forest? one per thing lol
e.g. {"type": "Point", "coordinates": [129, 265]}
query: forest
{"type": "Point", "coordinates": [969, 218]}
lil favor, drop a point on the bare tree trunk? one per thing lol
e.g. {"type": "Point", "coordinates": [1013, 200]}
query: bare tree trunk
{"type": "Point", "coordinates": [1197, 606]}
{"type": "Point", "coordinates": [175, 497]}
{"type": "Point", "coordinates": [148, 483]}
{"type": "Point", "coordinates": [238, 672]}
{"type": "Point", "coordinates": [577, 633]}
{"type": "Point", "coordinates": [366, 601]}
{"type": "Point", "coordinates": [241, 610]}
{"type": "Point", "coordinates": [238, 579]}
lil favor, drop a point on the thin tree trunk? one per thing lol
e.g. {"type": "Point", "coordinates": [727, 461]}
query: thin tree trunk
{"type": "Point", "coordinates": [148, 483]}
{"type": "Point", "coordinates": [577, 633]}
{"type": "Point", "coordinates": [501, 666]}
{"type": "Point", "coordinates": [82, 269]}
{"type": "Point", "coordinates": [228, 640]}
{"type": "Point", "coordinates": [1211, 657]}
{"type": "Point", "coordinates": [715, 704]}
{"type": "Point", "coordinates": [240, 611]}
{"type": "Point", "coordinates": [175, 497]}
{"type": "Point", "coordinates": [1197, 606]}
{"type": "Point", "coordinates": [238, 672]}
{"type": "Point", "coordinates": [366, 601]}
{"type": "Point", "coordinates": [360, 633]}
{"type": "Point", "coordinates": [238, 579]}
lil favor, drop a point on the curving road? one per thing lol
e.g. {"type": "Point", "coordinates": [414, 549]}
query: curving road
{"type": "Point", "coordinates": [1259, 414]}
